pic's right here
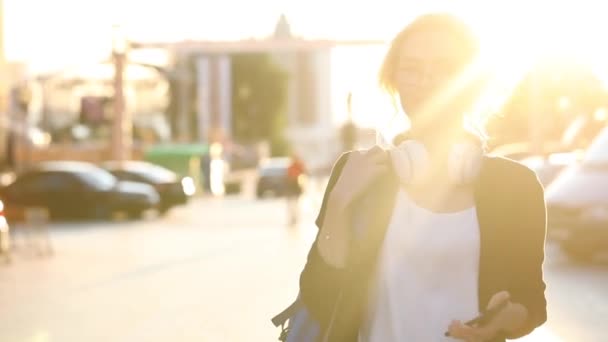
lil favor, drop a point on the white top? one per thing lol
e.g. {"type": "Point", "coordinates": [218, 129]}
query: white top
{"type": "Point", "coordinates": [427, 275]}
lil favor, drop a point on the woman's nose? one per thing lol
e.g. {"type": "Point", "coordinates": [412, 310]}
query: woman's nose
{"type": "Point", "coordinates": [428, 77]}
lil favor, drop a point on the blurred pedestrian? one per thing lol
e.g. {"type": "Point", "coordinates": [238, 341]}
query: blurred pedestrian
{"type": "Point", "coordinates": [206, 172]}
{"type": "Point", "coordinates": [296, 172]}
{"type": "Point", "coordinates": [418, 237]}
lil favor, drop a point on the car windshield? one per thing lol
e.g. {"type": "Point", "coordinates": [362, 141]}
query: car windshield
{"type": "Point", "coordinates": [98, 179]}
{"type": "Point", "coordinates": [144, 172]}
{"type": "Point", "coordinates": [274, 167]}
{"type": "Point", "coordinates": [273, 171]}
{"type": "Point", "coordinates": [597, 153]}
{"type": "Point", "coordinates": [153, 173]}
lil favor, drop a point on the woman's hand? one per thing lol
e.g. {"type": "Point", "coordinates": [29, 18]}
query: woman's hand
{"type": "Point", "coordinates": [359, 172]}
{"type": "Point", "coordinates": [510, 318]}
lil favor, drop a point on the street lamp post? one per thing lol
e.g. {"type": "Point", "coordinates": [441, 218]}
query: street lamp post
{"type": "Point", "coordinates": [349, 130]}
{"type": "Point", "coordinates": [122, 124]}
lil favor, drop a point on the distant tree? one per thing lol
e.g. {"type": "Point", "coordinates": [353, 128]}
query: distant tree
{"type": "Point", "coordinates": [259, 100]}
{"type": "Point", "coordinates": [558, 90]}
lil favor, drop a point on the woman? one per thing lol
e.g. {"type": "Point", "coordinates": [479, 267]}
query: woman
{"type": "Point", "coordinates": [416, 240]}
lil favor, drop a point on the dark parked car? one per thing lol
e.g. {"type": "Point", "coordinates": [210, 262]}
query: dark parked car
{"type": "Point", "coordinates": [77, 190]}
{"type": "Point", "coordinates": [577, 203]}
{"type": "Point", "coordinates": [272, 177]}
{"type": "Point", "coordinates": [173, 190]}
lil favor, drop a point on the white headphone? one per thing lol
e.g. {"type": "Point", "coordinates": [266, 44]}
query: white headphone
{"type": "Point", "coordinates": [411, 162]}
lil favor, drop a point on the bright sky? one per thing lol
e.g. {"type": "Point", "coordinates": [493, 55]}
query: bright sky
{"type": "Point", "coordinates": [47, 33]}
{"type": "Point", "coordinates": [50, 33]}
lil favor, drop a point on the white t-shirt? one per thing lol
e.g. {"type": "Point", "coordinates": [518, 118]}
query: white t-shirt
{"type": "Point", "coordinates": [427, 275]}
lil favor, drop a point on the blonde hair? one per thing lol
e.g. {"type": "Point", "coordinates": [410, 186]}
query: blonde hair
{"type": "Point", "coordinates": [458, 30]}
{"type": "Point", "coordinates": [441, 22]}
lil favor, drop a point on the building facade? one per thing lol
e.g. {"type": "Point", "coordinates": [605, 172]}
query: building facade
{"type": "Point", "coordinates": [310, 130]}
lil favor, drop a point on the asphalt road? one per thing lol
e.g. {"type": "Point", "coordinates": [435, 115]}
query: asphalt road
{"type": "Point", "coordinates": [216, 270]}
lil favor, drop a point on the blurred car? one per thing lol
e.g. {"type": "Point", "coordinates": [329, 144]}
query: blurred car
{"type": "Point", "coordinates": [548, 167]}
{"type": "Point", "coordinates": [577, 203]}
{"type": "Point", "coordinates": [76, 190]}
{"type": "Point", "coordinates": [522, 150]}
{"type": "Point", "coordinates": [555, 157]}
{"type": "Point", "coordinates": [173, 190]}
{"type": "Point", "coordinates": [272, 177]}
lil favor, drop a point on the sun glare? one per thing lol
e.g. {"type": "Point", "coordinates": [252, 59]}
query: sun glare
{"type": "Point", "coordinates": [517, 37]}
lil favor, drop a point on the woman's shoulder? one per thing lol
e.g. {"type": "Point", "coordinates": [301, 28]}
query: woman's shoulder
{"type": "Point", "coordinates": [507, 182]}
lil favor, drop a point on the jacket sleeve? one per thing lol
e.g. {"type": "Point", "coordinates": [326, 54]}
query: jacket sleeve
{"type": "Point", "coordinates": [320, 282]}
{"type": "Point", "coordinates": [528, 286]}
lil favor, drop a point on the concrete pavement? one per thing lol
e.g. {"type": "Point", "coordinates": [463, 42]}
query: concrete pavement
{"type": "Point", "coordinates": [216, 270]}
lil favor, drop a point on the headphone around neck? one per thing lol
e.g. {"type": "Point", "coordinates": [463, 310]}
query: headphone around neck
{"type": "Point", "coordinates": [412, 161]}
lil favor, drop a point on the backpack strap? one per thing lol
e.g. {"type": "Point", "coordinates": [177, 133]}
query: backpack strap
{"type": "Point", "coordinates": [285, 315]}
{"type": "Point", "coordinates": [372, 214]}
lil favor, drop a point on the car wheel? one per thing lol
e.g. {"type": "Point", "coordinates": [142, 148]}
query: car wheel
{"type": "Point", "coordinates": [163, 210]}
{"type": "Point", "coordinates": [260, 193]}
{"type": "Point", "coordinates": [102, 212]}
{"type": "Point", "coordinates": [135, 214]}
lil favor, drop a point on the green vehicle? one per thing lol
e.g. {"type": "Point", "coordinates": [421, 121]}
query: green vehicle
{"type": "Point", "coordinates": [183, 159]}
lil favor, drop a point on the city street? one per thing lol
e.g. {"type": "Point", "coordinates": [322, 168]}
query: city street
{"type": "Point", "coordinates": [216, 270]}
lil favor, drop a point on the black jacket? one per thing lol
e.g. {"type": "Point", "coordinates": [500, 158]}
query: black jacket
{"type": "Point", "coordinates": [512, 220]}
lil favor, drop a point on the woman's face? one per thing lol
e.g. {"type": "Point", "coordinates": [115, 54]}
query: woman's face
{"type": "Point", "coordinates": [428, 64]}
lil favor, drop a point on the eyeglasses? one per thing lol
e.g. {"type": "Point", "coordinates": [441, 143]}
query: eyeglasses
{"type": "Point", "coordinates": [436, 74]}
